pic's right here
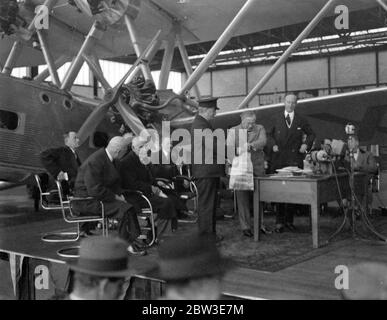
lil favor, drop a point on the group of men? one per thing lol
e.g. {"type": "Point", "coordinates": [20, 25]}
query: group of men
{"type": "Point", "coordinates": [107, 173]}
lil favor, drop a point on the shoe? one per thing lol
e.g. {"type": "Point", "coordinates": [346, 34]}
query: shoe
{"type": "Point", "coordinates": [135, 250]}
{"type": "Point", "coordinates": [291, 227]}
{"type": "Point", "coordinates": [247, 233]}
{"type": "Point", "coordinates": [265, 230]}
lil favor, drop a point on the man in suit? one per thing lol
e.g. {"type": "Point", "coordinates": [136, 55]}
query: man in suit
{"type": "Point", "coordinates": [256, 141]}
{"type": "Point", "coordinates": [205, 170]}
{"type": "Point", "coordinates": [135, 175]}
{"type": "Point", "coordinates": [62, 163]}
{"type": "Point", "coordinates": [289, 150]}
{"type": "Point", "coordinates": [99, 178]}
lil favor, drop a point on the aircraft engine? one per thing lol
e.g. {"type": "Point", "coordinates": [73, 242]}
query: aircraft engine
{"type": "Point", "coordinates": [109, 11]}
{"type": "Point", "coordinates": [9, 18]}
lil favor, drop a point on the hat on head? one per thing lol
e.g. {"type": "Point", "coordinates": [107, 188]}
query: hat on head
{"type": "Point", "coordinates": [102, 256]}
{"type": "Point", "coordinates": [189, 257]}
{"type": "Point", "coordinates": [208, 102]}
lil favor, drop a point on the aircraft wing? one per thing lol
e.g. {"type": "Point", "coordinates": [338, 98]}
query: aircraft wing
{"type": "Point", "coordinates": [328, 115]}
{"type": "Point", "coordinates": [201, 20]}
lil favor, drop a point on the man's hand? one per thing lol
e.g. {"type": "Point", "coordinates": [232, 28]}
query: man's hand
{"type": "Point", "coordinates": [62, 176]}
{"type": "Point", "coordinates": [275, 148]}
{"type": "Point", "coordinates": [120, 198]}
{"type": "Point", "coordinates": [156, 190]}
{"type": "Point", "coordinates": [303, 148]}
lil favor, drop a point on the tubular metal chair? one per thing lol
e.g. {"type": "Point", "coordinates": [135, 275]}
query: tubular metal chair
{"type": "Point", "coordinates": [147, 218]}
{"type": "Point", "coordinates": [45, 204]}
{"type": "Point", "coordinates": [70, 217]}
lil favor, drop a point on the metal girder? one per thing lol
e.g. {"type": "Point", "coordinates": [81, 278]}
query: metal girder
{"type": "Point", "coordinates": [46, 73]}
{"type": "Point", "coordinates": [94, 34]}
{"type": "Point", "coordinates": [167, 61]}
{"type": "Point", "coordinates": [292, 48]}
{"type": "Point", "coordinates": [218, 46]}
{"type": "Point", "coordinates": [96, 69]}
{"type": "Point", "coordinates": [137, 48]}
{"type": "Point", "coordinates": [48, 57]}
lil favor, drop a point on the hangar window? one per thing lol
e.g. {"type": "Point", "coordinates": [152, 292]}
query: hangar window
{"type": "Point", "coordinates": [8, 120]}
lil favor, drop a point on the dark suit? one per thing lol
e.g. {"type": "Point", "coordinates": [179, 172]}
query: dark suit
{"type": "Point", "coordinates": [136, 176]}
{"type": "Point", "coordinates": [289, 141]}
{"type": "Point", "coordinates": [207, 177]}
{"type": "Point", "coordinates": [61, 159]}
{"type": "Point", "coordinates": [98, 178]}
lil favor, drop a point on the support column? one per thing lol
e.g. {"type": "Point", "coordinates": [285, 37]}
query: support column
{"type": "Point", "coordinates": [96, 69]}
{"type": "Point", "coordinates": [218, 46]}
{"type": "Point", "coordinates": [186, 62]}
{"type": "Point", "coordinates": [292, 48]}
{"type": "Point", "coordinates": [47, 56]}
{"type": "Point", "coordinates": [137, 48]}
{"type": "Point", "coordinates": [45, 73]}
{"type": "Point", "coordinates": [167, 62]}
{"type": "Point", "coordinates": [95, 33]}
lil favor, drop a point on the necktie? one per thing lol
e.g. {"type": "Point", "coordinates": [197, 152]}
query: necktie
{"type": "Point", "coordinates": [288, 120]}
{"type": "Point", "coordinates": [77, 159]}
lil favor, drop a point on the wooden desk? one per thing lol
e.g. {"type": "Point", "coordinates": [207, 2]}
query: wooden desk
{"type": "Point", "coordinates": [311, 190]}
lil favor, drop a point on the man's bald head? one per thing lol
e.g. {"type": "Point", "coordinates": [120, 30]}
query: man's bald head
{"type": "Point", "coordinates": [116, 144]}
{"type": "Point", "coordinates": [290, 102]}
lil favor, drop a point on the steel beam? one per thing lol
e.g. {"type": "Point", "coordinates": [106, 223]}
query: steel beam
{"type": "Point", "coordinates": [292, 48]}
{"type": "Point", "coordinates": [12, 57]}
{"type": "Point", "coordinates": [185, 59]}
{"type": "Point", "coordinates": [95, 33]}
{"type": "Point", "coordinates": [382, 3]}
{"type": "Point", "coordinates": [218, 46]}
{"type": "Point", "coordinates": [167, 61]}
{"type": "Point", "coordinates": [95, 67]}
{"type": "Point", "coordinates": [46, 73]}
{"type": "Point", "coordinates": [48, 57]}
{"type": "Point", "coordinates": [137, 47]}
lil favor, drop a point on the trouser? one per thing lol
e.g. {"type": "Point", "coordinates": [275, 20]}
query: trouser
{"type": "Point", "coordinates": [207, 199]}
{"type": "Point", "coordinates": [128, 228]}
{"type": "Point", "coordinates": [243, 204]}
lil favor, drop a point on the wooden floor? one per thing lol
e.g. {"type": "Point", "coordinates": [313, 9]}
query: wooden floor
{"type": "Point", "coordinates": [312, 279]}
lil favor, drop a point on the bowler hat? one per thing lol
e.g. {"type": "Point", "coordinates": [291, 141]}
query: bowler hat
{"type": "Point", "coordinates": [208, 102]}
{"type": "Point", "coordinates": [102, 256]}
{"type": "Point", "coordinates": [189, 257]}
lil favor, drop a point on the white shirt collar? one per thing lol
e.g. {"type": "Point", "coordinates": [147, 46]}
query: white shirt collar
{"type": "Point", "coordinates": [109, 155]}
{"type": "Point", "coordinates": [291, 115]}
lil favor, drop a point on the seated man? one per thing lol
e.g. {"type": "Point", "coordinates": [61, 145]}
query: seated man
{"type": "Point", "coordinates": [62, 163]}
{"type": "Point", "coordinates": [137, 176]}
{"type": "Point", "coordinates": [98, 178]}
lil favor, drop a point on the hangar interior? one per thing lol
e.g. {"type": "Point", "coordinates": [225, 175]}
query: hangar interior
{"type": "Point", "coordinates": [329, 62]}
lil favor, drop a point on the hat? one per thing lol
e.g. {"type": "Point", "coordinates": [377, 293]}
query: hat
{"type": "Point", "coordinates": [102, 256]}
{"type": "Point", "coordinates": [366, 281]}
{"type": "Point", "coordinates": [189, 257]}
{"type": "Point", "coordinates": [208, 102]}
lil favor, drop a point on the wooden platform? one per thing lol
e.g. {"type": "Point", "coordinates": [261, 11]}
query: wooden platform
{"type": "Point", "coordinates": [312, 279]}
